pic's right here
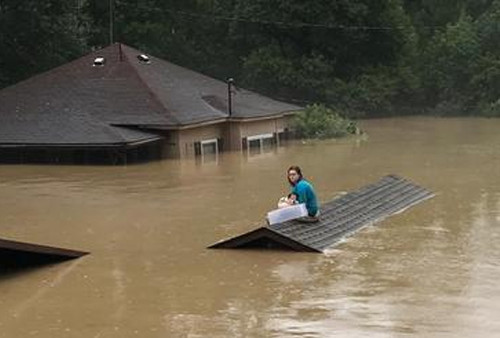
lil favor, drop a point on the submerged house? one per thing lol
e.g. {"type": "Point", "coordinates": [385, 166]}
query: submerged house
{"type": "Point", "coordinates": [118, 105]}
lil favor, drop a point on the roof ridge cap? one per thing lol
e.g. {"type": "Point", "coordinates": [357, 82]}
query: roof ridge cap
{"type": "Point", "coordinates": [149, 89]}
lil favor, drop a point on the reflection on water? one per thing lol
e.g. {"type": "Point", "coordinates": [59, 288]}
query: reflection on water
{"type": "Point", "coordinates": [430, 271]}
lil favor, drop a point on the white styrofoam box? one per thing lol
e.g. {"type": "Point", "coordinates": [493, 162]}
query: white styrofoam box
{"type": "Point", "coordinates": [287, 213]}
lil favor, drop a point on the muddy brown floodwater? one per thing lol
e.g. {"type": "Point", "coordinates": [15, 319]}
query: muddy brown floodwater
{"type": "Point", "coordinates": [431, 271]}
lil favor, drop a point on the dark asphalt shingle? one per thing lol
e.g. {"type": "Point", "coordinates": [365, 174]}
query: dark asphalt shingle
{"type": "Point", "coordinates": [78, 103]}
{"type": "Point", "coordinates": [339, 218]}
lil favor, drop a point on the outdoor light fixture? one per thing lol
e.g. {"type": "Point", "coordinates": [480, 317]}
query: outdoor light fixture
{"type": "Point", "coordinates": [99, 61]}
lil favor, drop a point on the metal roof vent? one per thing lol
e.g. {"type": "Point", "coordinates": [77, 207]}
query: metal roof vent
{"type": "Point", "coordinates": [143, 58]}
{"type": "Point", "coordinates": [99, 61]}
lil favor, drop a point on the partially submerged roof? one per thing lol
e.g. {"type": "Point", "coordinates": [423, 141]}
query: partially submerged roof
{"type": "Point", "coordinates": [15, 253]}
{"type": "Point", "coordinates": [83, 102]}
{"type": "Point", "coordinates": [190, 97]}
{"type": "Point", "coordinates": [339, 218]}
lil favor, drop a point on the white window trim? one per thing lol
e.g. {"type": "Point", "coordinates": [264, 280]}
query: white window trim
{"type": "Point", "coordinates": [259, 137]}
{"type": "Point", "coordinates": [210, 141]}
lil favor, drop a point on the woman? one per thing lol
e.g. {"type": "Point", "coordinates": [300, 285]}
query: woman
{"type": "Point", "coordinates": [304, 192]}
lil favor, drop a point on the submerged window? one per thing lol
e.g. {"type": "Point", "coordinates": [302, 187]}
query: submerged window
{"type": "Point", "coordinates": [259, 144]}
{"type": "Point", "coordinates": [208, 150]}
{"type": "Point", "coordinates": [209, 147]}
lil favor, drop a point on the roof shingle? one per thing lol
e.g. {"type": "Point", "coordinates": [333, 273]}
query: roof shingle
{"type": "Point", "coordinates": [79, 103]}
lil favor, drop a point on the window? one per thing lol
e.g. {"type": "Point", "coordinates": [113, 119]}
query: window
{"type": "Point", "coordinates": [259, 144]}
{"type": "Point", "coordinates": [208, 150]}
{"type": "Point", "coordinates": [209, 147]}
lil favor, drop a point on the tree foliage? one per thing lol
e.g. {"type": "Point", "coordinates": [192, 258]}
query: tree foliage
{"type": "Point", "coordinates": [38, 35]}
{"type": "Point", "coordinates": [319, 121]}
{"type": "Point", "coordinates": [364, 57]}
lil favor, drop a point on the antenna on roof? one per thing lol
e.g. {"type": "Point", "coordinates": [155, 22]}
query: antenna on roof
{"type": "Point", "coordinates": [111, 23]}
{"type": "Point", "coordinates": [230, 84]}
{"type": "Point", "coordinates": [120, 51]}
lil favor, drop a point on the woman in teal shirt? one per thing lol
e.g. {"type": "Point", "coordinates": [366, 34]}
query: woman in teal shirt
{"type": "Point", "coordinates": [304, 191]}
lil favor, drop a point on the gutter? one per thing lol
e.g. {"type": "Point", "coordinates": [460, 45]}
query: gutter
{"type": "Point", "coordinates": [78, 145]}
{"type": "Point", "coordinates": [207, 123]}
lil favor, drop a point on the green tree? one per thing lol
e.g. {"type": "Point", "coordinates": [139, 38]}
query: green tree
{"type": "Point", "coordinates": [319, 121]}
{"type": "Point", "coordinates": [39, 35]}
{"type": "Point", "coordinates": [364, 57]}
{"type": "Point", "coordinates": [304, 50]}
{"type": "Point", "coordinates": [486, 79]}
{"type": "Point", "coordinates": [448, 63]}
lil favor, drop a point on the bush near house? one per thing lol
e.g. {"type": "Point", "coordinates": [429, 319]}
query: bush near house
{"type": "Point", "coordinates": [320, 121]}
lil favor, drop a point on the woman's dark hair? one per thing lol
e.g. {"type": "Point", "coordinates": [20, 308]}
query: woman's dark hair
{"type": "Point", "coordinates": [297, 170]}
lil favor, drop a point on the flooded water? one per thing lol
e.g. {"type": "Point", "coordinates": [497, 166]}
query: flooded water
{"type": "Point", "coordinates": [430, 271]}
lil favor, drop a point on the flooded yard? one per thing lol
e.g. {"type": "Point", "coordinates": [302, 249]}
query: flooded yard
{"type": "Point", "coordinates": [429, 271]}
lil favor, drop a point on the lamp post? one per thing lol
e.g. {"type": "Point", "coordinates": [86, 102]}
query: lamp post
{"type": "Point", "coordinates": [230, 82]}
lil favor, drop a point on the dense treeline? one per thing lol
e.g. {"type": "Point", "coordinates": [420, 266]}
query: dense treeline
{"type": "Point", "coordinates": [362, 57]}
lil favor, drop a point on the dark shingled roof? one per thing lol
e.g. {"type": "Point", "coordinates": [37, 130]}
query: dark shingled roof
{"type": "Point", "coordinates": [339, 218]}
{"type": "Point", "coordinates": [29, 251]}
{"type": "Point", "coordinates": [82, 104]}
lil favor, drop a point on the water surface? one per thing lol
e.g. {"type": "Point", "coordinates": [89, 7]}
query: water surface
{"type": "Point", "coordinates": [430, 271]}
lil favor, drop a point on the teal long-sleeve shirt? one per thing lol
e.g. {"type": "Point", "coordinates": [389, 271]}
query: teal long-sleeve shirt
{"type": "Point", "coordinates": [305, 194]}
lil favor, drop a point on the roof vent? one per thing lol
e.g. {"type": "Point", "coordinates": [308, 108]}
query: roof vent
{"type": "Point", "coordinates": [143, 58]}
{"type": "Point", "coordinates": [99, 61]}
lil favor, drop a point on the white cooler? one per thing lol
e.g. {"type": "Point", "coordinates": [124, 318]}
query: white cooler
{"type": "Point", "coordinates": [287, 213]}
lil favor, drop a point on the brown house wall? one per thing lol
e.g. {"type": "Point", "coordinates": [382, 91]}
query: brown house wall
{"type": "Point", "coordinates": [181, 143]}
{"type": "Point", "coordinates": [272, 126]}
{"type": "Point", "coordinates": [188, 137]}
{"type": "Point", "coordinates": [171, 149]}
{"type": "Point", "coordinates": [239, 130]}
{"type": "Point", "coordinates": [262, 127]}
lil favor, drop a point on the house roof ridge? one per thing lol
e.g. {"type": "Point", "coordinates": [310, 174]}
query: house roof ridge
{"type": "Point", "coordinates": [146, 85]}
